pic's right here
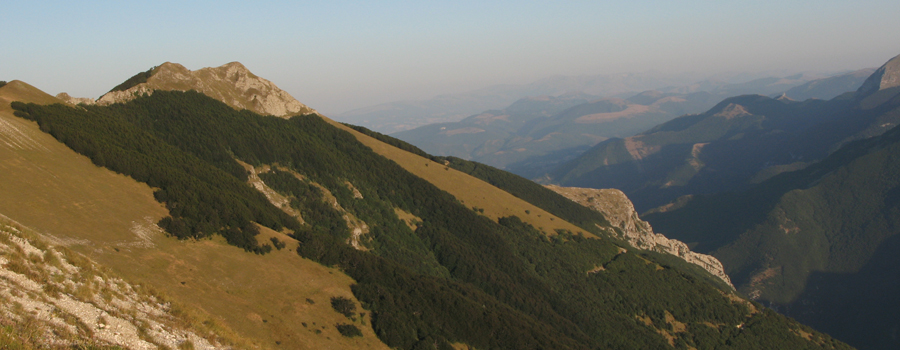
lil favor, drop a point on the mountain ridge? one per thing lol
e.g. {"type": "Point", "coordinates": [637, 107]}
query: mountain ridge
{"type": "Point", "coordinates": [111, 218]}
{"type": "Point", "coordinates": [831, 87]}
{"type": "Point", "coordinates": [231, 83]}
{"type": "Point", "coordinates": [791, 240]}
{"type": "Point", "coordinates": [477, 259]}
{"type": "Point", "coordinates": [696, 153]}
{"type": "Point", "coordinates": [531, 143]}
{"type": "Point", "coordinates": [885, 77]}
{"type": "Point", "coordinates": [397, 116]}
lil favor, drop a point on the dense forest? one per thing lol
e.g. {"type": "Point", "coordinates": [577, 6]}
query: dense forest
{"type": "Point", "coordinates": [456, 276]}
{"type": "Point", "coordinates": [829, 232]}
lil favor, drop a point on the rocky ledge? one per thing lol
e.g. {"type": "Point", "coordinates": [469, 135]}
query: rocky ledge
{"type": "Point", "coordinates": [619, 210]}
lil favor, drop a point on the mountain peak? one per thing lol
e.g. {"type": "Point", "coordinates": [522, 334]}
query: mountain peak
{"type": "Point", "coordinates": [235, 64]}
{"type": "Point", "coordinates": [231, 83]}
{"type": "Point", "coordinates": [885, 77]}
{"type": "Point", "coordinates": [170, 67]}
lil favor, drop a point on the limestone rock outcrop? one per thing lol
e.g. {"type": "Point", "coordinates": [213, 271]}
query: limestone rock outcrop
{"type": "Point", "coordinates": [231, 83]}
{"type": "Point", "coordinates": [885, 77]}
{"type": "Point", "coordinates": [75, 100]}
{"type": "Point", "coordinates": [619, 210]}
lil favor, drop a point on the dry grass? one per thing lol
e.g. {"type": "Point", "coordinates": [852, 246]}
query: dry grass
{"type": "Point", "coordinates": [109, 217]}
{"type": "Point", "coordinates": [668, 331]}
{"type": "Point", "coordinates": [467, 189]}
{"type": "Point", "coordinates": [734, 298]}
{"type": "Point", "coordinates": [261, 299]}
{"type": "Point", "coordinates": [17, 90]}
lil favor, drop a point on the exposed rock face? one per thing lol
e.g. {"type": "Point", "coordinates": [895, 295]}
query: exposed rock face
{"type": "Point", "coordinates": [75, 100]}
{"type": "Point", "coordinates": [54, 298]}
{"type": "Point", "coordinates": [620, 212]}
{"type": "Point", "coordinates": [231, 83]}
{"type": "Point", "coordinates": [886, 77]}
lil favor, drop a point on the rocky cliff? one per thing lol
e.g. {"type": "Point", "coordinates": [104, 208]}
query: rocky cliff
{"type": "Point", "coordinates": [886, 77]}
{"type": "Point", "coordinates": [620, 212]}
{"type": "Point", "coordinates": [231, 83]}
{"type": "Point", "coordinates": [75, 100]}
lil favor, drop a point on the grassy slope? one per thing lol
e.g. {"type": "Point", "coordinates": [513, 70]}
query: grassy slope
{"type": "Point", "coordinates": [49, 270]}
{"type": "Point", "coordinates": [471, 191]}
{"type": "Point", "coordinates": [56, 191]}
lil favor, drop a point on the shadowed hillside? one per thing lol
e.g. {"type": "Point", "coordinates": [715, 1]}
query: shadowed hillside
{"type": "Point", "coordinates": [815, 243]}
{"type": "Point", "coordinates": [741, 141]}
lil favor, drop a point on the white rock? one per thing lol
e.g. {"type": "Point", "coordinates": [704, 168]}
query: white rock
{"type": "Point", "coordinates": [231, 83]}
{"type": "Point", "coordinates": [619, 210]}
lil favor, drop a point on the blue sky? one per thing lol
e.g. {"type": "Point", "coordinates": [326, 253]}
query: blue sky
{"type": "Point", "coordinates": [338, 55]}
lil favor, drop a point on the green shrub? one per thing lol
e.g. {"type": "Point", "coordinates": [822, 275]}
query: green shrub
{"type": "Point", "coordinates": [279, 244]}
{"type": "Point", "coordinates": [343, 306]}
{"type": "Point", "coordinates": [349, 330]}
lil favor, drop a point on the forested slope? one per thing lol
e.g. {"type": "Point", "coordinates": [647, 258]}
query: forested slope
{"type": "Point", "coordinates": [454, 276]}
{"type": "Point", "coordinates": [818, 244]}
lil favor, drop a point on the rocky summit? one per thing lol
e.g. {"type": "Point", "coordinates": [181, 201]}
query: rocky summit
{"type": "Point", "coordinates": [231, 83]}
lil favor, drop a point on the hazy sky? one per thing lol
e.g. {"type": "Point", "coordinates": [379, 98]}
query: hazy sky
{"type": "Point", "coordinates": [339, 55]}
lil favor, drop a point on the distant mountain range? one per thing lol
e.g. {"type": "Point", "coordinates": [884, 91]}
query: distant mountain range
{"type": "Point", "coordinates": [831, 87]}
{"type": "Point", "coordinates": [798, 200]}
{"type": "Point", "coordinates": [398, 116]}
{"type": "Point", "coordinates": [740, 141]}
{"type": "Point", "coordinates": [534, 135]}
{"type": "Point", "coordinates": [537, 133]}
{"type": "Point", "coordinates": [818, 244]}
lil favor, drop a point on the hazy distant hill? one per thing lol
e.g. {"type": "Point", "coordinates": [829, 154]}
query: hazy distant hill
{"type": "Point", "coordinates": [398, 116]}
{"type": "Point", "coordinates": [828, 88]}
{"type": "Point", "coordinates": [761, 86]}
{"type": "Point", "coordinates": [533, 143]}
{"type": "Point", "coordinates": [818, 244]}
{"type": "Point", "coordinates": [740, 141]}
{"type": "Point", "coordinates": [435, 257]}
